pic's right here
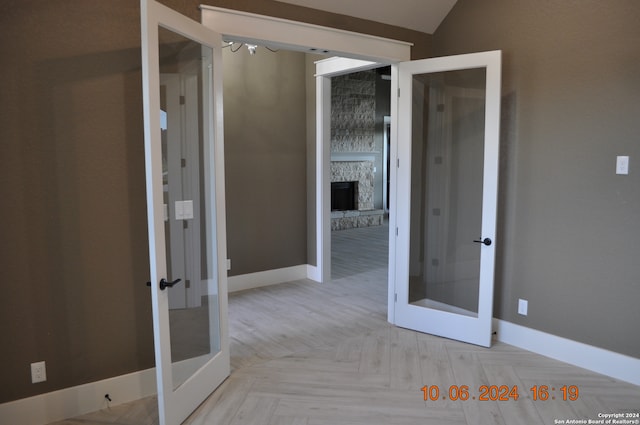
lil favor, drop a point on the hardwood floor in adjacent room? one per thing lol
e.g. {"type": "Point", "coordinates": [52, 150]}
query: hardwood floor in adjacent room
{"type": "Point", "coordinates": [305, 353]}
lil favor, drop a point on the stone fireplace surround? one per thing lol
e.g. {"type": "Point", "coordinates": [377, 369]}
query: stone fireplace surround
{"type": "Point", "coordinates": [355, 168]}
{"type": "Point", "coordinates": [353, 147]}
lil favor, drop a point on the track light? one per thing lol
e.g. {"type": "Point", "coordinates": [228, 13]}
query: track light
{"type": "Point", "coordinates": [234, 46]}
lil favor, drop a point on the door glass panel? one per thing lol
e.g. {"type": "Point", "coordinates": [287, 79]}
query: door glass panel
{"type": "Point", "coordinates": [193, 302]}
{"type": "Point", "coordinates": [446, 190]}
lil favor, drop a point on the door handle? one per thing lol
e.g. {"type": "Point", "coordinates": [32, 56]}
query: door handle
{"type": "Point", "coordinates": [164, 284]}
{"type": "Point", "coordinates": [485, 241]}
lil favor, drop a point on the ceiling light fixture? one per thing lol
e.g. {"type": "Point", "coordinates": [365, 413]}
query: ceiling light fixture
{"type": "Point", "coordinates": [235, 46]}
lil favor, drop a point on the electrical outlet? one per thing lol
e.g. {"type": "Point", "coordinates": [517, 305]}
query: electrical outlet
{"type": "Point", "coordinates": [523, 306]}
{"type": "Point", "coordinates": [38, 372]}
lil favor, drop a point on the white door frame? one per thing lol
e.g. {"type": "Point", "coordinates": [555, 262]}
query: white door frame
{"type": "Point", "coordinates": [175, 404]}
{"type": "Point", "coordinates": [362, 48]}
{"type": "Point", "coordinates": [325, 70]}
{"type": "Point", "coordinates": [435, 320]}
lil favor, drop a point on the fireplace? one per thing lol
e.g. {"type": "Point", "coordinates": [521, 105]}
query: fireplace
{"type": "Point", "coordinates": [344, 196]}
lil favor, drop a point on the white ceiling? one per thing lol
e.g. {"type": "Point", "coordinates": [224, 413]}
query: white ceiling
{"type": "Point", "coordinates": [419, 15]}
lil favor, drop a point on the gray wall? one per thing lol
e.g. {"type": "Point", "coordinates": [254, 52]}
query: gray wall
{"type": "Point", "coordinates": [265, 159]}
{"type": "Point", "coordinates": [569, 226]}
{"type": "Point", "coordinates": [74, 256]}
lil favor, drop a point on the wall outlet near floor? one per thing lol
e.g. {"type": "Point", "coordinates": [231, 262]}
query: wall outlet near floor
{"type": "Point", "coordinates": [523, 306]}
{"type": "Point", "coordinates": [38, 372]}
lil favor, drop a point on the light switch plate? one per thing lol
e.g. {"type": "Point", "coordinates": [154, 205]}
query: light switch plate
{"type": "Point", "coordinates": [184, 210]}
{"type": "Point", "coordinates": [523, 306]}
{"type": "Point", "coordinates": [622, 165]}
{"type": "Point", "coordinates": [187, 210]}
{"type": "Point", "coordinates": [179, 210]}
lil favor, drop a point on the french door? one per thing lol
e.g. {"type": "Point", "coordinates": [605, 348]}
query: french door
{"type": "Point", "coordinates": [182, 98]}
{"type": "Point", "coordinates": [447, 181]}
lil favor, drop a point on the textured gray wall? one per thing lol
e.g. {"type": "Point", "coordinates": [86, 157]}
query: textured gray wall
{"type": "Point", "coordinates": [75, 251]}
{"type": "Point", "coordinates": [265, 159]}
{"type": "Point", "coordinates": [569, 226]}
{"type": "Point", "coordinates": [74, 256]}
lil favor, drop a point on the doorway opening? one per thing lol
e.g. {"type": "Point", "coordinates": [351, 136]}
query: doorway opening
{"type": "Point", "coordinates": [360, 101]}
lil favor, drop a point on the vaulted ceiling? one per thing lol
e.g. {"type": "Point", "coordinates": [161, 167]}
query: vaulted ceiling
{"type": "Point", "coordinates": [419, 15]}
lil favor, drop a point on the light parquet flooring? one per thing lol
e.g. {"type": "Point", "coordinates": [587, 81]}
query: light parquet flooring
{"type": "Point", "coordinates": [305, 353]}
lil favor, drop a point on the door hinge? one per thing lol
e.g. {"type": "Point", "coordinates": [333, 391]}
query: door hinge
{"type": "Point", "coordinates": [398, 91]}
{"type": "Point", "coordinates": [182, 100]}
{"type": "Point", "coordinates": [183, 162]}
{"type": "Point", "coordinates": [395, 297]}
{"type": "Point", "coordinates": [396, 231]}
{"type": "Point", "coordinates": [440, 107]}
{"type": "Point", "coordinates": [187, 284]}
{"type": "Point", "coordinates": [185, 224]}
{"type": "Point", "coordinates": [398, 163]}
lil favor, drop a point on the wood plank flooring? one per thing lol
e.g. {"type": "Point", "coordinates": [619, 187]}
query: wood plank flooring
{"type": "Point", "coordinates": [305, 353]}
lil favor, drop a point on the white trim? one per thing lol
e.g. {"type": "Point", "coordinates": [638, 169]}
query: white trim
{"type": "Point", "coordinates": [334, 66]}
{"type": "Point", "coordinates": [281, 33]}
{"type": "Point", "coordinates": [325, 69]}
{"type": "Point", "coordinates": [595, 359]}
{"type": "Point", "coordinates": [323, 177]}
{"type": "Point", "coordinates": [74, 401]}
{"type": "Point", "coordinates": [386, 142]}
{"type": "Point", "coordinates": [393, 177]}
{"type": "Point", "coordinates": [267, 277]}
{"type": "Point", "coordinates": [313, 273]}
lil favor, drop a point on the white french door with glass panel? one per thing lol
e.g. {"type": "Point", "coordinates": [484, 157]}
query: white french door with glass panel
{"type": "Point", "coordinates": [182, 96]}
{"type": "Point", "coordinates": [447, 182]}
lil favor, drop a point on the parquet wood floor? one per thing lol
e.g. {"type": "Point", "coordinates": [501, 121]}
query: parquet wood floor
{"type": "Point", "coordinates": [305, 353]}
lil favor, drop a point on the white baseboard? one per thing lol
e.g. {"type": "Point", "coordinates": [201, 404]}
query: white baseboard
{"type": "Point", "coordinates": [313, 273]}
{"type": "Point", "coordinates": [267, 277]}
{"type": "Point", "coordinates": [78, 400]}
{"type": "Point", "coordinates": [615, 365]}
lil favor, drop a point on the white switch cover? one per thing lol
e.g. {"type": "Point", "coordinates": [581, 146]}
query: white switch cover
{"type": "Point", "coordinates": [622, 165]}
{"type": "Point", "coordinates": [187, 210]}
{"type": "Point", "coordinates": [523, 306]}
{"type": "Point", "coordinates": [184, 210]}
{"type": "Point", "coordinates": [179, 210]}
